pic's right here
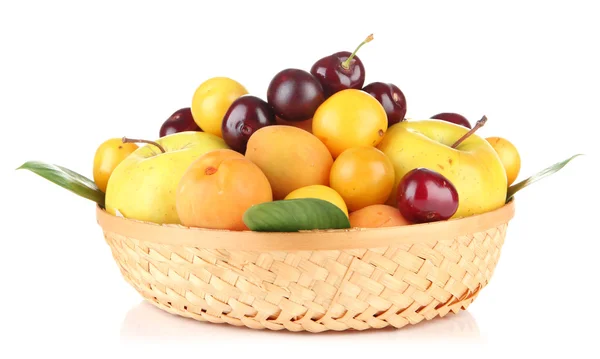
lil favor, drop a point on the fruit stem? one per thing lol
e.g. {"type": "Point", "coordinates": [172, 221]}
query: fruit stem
{"type": "Point", "coordinates": [346, 64]}
{"type": "Point", "coordinates": [131, 140]}
{"type": "Point", "coordinates": [478, 125]}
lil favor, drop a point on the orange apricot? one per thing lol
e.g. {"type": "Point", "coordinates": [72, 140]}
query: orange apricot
{"type": "Point", "coordinates": [290, 157]}
{"type": "Point", "coordinates": [218, 188]}
{"type": "Point", "coordinates": [376, 216]}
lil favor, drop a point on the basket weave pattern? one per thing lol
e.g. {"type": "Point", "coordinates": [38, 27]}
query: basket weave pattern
{"type": "Point", "coordinates": [312, 290]}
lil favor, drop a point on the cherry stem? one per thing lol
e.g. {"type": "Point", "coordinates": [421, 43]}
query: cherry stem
{"type": "Point", "coordinates": [346, 64]}
{"type": "Point", "coordinates": [131, 140]}
{"type": "Point", "coordinates": [477, 126]}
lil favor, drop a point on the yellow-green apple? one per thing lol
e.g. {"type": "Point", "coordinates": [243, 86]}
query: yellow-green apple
{"type": "Point", "coordinates": [144, 185]}
{"type": "Point", "coordinates": [473, 167]}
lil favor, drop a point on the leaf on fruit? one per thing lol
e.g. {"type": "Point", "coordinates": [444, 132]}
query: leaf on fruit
{"type": "Point", "coordinates": [70, 180]}
{"type": "Point", "coordinates": [536, 177]}
{"type": "Point", "coordinates": [294, 215]}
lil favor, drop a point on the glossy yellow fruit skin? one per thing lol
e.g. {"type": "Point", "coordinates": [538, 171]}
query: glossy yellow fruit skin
{"type": "Point", "coordinates": [211, 101]}
{"type": "Point", "coordinates": [108, 155]}
{"type": "Point", "coordinates": [320, 192]}
{"type": "Point", "coordinates": [144, 185]}
{"type": "Point", "coordinates": [474, 168]}
{"type": "Point", "coordinates": [363, 176]}
{"type": "Point", "coordinates": [509, 156]}
{"type": "Point", "coordinates": [349, 118]}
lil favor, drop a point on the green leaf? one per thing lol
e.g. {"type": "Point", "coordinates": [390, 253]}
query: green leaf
{"type": "Point", "coordinates": [294, 215]}
{"type": "Point", "coordinates": [64, 177]}
{"type": "Point", "coordinates": [536, 177]}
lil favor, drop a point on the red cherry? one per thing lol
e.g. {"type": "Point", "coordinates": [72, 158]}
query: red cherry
{"type": "Point", "coordinates": [340, 71]}
{"type": "Point", "coordinates": [391, 98]}
{"type": "Point", "coordinates": [334, 78]}
{"type": "Point", "coordinates": [295, 95]}
{"type": "Point", "coordinates": [453, 118]}
{"type": "Point", "coordinates": [180, 121]}
{"type": "Point", "coordinates": [245, 116]}
{"type": "Point", "coordinates": [426, 196]}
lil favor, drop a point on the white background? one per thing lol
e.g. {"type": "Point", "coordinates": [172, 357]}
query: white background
{"type": "Point", "coordinates": [75, 73]}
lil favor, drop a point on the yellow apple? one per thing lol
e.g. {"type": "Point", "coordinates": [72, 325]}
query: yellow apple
{"type": "Point", "coordinates": [144, 185]}
{"type": "Point", "coordinates": [474, 167]}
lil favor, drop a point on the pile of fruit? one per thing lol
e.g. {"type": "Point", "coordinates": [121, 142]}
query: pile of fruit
{"type": "Point", "coordinates": [321, 151]}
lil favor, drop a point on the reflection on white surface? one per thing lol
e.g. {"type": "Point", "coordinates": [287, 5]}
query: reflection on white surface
{"type": "Point", "coordinates": [147, 321]}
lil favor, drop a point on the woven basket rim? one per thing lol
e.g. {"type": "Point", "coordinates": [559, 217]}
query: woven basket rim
{"type": "Point", "coordinates": [178, 235]}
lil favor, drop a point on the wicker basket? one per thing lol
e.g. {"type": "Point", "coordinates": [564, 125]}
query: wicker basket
{"type": "Point", "coordinates": [310, 281]}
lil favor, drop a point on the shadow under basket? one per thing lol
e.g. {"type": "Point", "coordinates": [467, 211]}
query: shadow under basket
{"type": "Point", "coordinates": [310, 281]}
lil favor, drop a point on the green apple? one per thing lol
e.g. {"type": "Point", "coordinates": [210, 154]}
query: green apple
{"type": "Point", "coordinates": [143, 186]}
{"type": "Point", "coordinates": [473, 167]}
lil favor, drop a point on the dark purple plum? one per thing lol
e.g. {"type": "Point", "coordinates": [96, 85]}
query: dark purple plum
{"type": "Point", "coordinates": [453, 118]}
{"type": "Point", "coordinates": [180, 121]}
{"type": "Point", "coordinates": [245, 116]}
{"type": "Point", "coordinates": [295, 95]}
{"type": "Point", "coordinates": [340, 71]}
{"type": "Point", "coordinates": [426, 196]}
{"type": "Point", "coordinates": [391, 98]}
